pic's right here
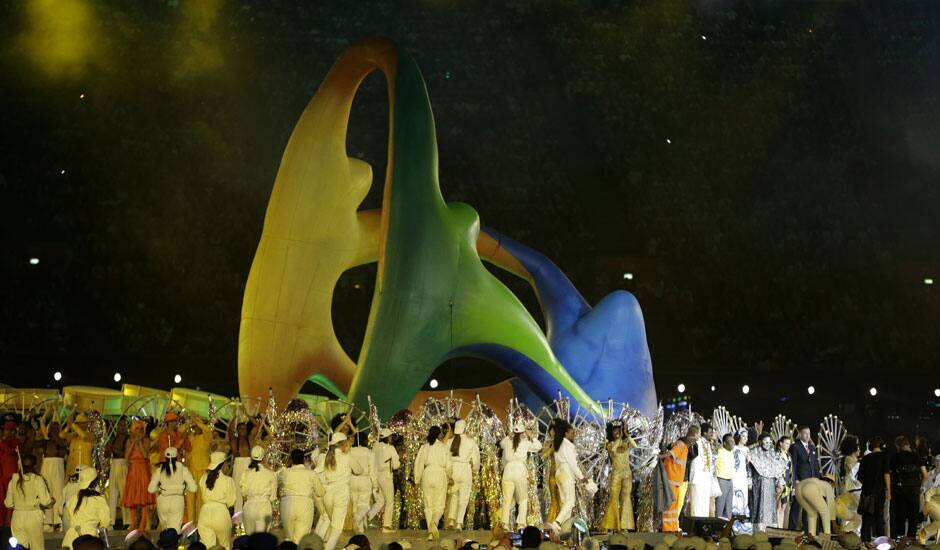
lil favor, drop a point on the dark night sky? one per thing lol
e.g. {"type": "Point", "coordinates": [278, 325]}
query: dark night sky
{"type": "Point", "coordinates": [768, 171]}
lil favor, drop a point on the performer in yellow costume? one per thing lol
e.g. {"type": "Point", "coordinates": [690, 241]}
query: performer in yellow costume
{"type": "Point", "coordinates": [201, 438]}
{"type": "Point", "coordinates": [619, 514]}
{"type": "Point", "coordinates": [81, 443]}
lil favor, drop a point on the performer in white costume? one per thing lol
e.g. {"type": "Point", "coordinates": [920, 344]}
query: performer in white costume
{"type": "Point", "coordinates": [27, 495]}
{"type": "Point", "coordinates": [336, 470]}
{"type": "Point", "coordinates": [817, 498]}
{"type": "Point", "coordinates": [52, 469]}
{"type": "Point", "coordinates": [739, 481]}
{"type": "Point", "coordinates": [117, 477]}
{"type": "Point", "coordinates": [432, 474]}
{"type": "Point", "coordinates": [87, 511]}
{"type": "Point", "coordinates": [515, 483]}
{"type": "Point", "coordinates": [218, 495]}
{"type": "Point", "coordinates": [298, 484]}
{"type": "Point", "coordinates": [465, 463]}
{"type": "Point", "coordinates": [702, 481]}
{"type": "Point", "coordinates": [386, 461]}
{"type": "Point", "coordinates": [170, 482]}
{"type": "Point", "coordinates": [259, 492]}
{"type": "Point", "coordinates": [360, 486]}
{"type": "Point", "coordinates": [567, 471]}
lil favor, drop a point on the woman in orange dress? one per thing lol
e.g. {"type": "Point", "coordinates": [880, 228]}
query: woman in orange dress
{"type": "Point", "coordinates": [136, 497]}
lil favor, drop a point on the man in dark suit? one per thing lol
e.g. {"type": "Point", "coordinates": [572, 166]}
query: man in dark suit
{"type": "Point", "coordinates": [805, 465]}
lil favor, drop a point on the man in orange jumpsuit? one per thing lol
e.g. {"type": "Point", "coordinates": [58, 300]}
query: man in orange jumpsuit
{"type": "Point", "coordinates": [675, 462]}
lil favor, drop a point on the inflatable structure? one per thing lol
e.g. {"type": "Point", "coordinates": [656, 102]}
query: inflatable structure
{"type": "Point", "coordinates": [433, 298]}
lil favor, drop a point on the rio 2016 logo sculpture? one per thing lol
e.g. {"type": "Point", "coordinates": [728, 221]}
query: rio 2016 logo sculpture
{"type": "Point", "coordinates": [433, 299]}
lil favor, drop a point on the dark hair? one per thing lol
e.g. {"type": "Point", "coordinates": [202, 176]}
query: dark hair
{"type": "Point", "coordinates": [395, 546]}
{"type": "Point", "coordinates": [726, 436]}
{"type": "Point", "coordinates": [849, 445]}
{"type": "Point", "coordinates": [902, 441]}
{"type": "Point", "coordinates": [764, 435]}
{"type": "Point", "coordinates": [561, 428]}
{"type": "Point", "coordinates": [29, 463]}
{"type": "Point", "coordinates": [86, 493]}
{"type": "Point", "coordinates": [88, 542]}
{"type": "Point", "coordinates": [433, 434]}
{"type": "Point", "coordinates": [286, 545]}
{"type": "Point", "coordinates": [531, 537]}
{"type": "Point", "coordinates": [254, 465]}
{"type": "Point", "coordinates": [296, 457]}
{"type": "Point", "coordinates": [196, 546]}
{"type": "Point", "coordinates": [168, 466]}
{"type": "Point", "coordinates": [337, 419]}
{"type": "Point", "coordinates": [782, 439]}
{"type": "Point", "coordinates": [141, 543]}
{"type": "Point", "coordinates": [455, 445]}
{"type": "Point", "coordinates": [875, 443]}
{"type": "Point", "coordinates": [361, 541]}
{"type": "Point", "coordinates": [213, 475]}
{"type": "Point", "coordinates": [802, 427]}
{"type": "Point", "coordinates": [737, 438]}
{"type": "Point", "coordinates": [706, 426]}
{"type": "Point", "coordinates": [516, 438]}
{"type": "Point", "coordinates": [611, 430]}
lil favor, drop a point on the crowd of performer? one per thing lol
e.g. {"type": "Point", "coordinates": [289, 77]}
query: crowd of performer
{"type": "Point", "coordinates": [191, 471]}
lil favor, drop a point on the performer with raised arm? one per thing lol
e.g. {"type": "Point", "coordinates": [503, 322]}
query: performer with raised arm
{"type": "Point", "coordinates": [116, 450]}
{"type": "Point", "coordinates": [136, 497]}
{"type": "Point", "coordinates": [242, 437]}
{"type": "Point", "coordinates": [674, 462]}
{"type": "Point", "coordinates": [80, 442]}
{"type": "Point", "coordinates": [336, 470]}
{"type": "Point", "coordinates": [218, 496]}
{"type": "Point", "coordinates": [52, 448]}
{"type": "Point", "coordinates": [619, 515]}
{"type": "Point", "coordinates": [170, 482]}
{"type": "Point", "coordinates": [201, 439]}
{"type": "Point", "coordinates": [259, 489]}
{"type": "Point", "coordinates": [515, 481]}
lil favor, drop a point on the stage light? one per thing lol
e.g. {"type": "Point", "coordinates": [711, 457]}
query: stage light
{"type": "Point", "coordinates": [117, 377]}
{"type": "Point", "coordinates": [936, 392]}
{"type": "Point", "coordinates": [628, 276]}
{"type": "Point", "coordinates": [928, 281]}
{"type": "Point", "coordinates": [34, 261]}
{"type": "Point", "coordinates": [681, 388]}
{"type": "Point", "coordinates": [745, 389]}
{"type": "Point", "coordinates": [433, 383]}
{"type": "Point", "coordinates": [873, 391]}
{"type": "Point", "coordinates": [811, 390]}
{"type": "Point", "coordinates": [177, 379]}
{"type": "Point", "coordinates": [704, 37]}
{"type": "Point", "coordinates": [669, 141]}
{"type": "Point", "coordinates": [81, 96]}
{"type": "Point", "coordinates": [713, 388]}
{"type": "Point", "coordinates": [57, 376]}
{"type": "Point", "coordinates": [62, 172]}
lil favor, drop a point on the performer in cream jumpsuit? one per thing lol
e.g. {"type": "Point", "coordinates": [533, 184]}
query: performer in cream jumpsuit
{"type": "Point", "coordinates": [567, 472]}
{"type": "Point", "coordinates": [432, 474]}
{"type": "Point", "coordinates": [465, 463]}
{"type": "Point", "coordinates": [27, 501]}
{"type": "Point", "coordinates": [386, 461]}
{"type": "Point", "coordinates": [259, 491]}
{"type": "Point", "coordinates": [170, 482]}
{"type": "Point", "coordinates": [515, 482]}
{"type": "Point", "coordinates": [360, 486]}
{"type": "Point", "coordinates": [336, 470]}
{"type": "Point", "coordinates": [297, 488]}
{"type": "Point", "coordinates": [87, 511]}
{"type": "Point", "coordinates": [817, 498]}
{"type": "Point", "coordinates": [218, 495]}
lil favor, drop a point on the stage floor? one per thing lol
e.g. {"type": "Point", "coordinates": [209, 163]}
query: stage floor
{"type": "Point", "coordinates": [417, 539]}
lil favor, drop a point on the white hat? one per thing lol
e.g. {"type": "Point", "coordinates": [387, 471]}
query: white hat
{"type": "Point", "coordinates": [86, 477]}
{"type": "Point", "coordinates": [385, 432]}
{"type": "Point", "coordinates": [170, 452]}
{"type": "Point", "coordinates": [257, 452]}
{"type": "Point", "coordinates": [337, 438]}
{"type": "Point", "coordinates": [215, 459]}
{"type": "Point", "coordinates": [460, 427]}
{"type": "Point", "coordinates": [518, 429]}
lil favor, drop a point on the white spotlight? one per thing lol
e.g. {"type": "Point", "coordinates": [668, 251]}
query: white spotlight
{"type": "Point", "coordinates": [57, 376]}
{"type": "Point", "coordinates": [433, 383]}
{"type": "Point", "coordinates": [704, 37]}
{"type": "Point", "coordinates": [928, 280]}
{"type": "Point", "coordinates": [936, 392]}
{"type": "Point", "coordinates": [177, 379]}
{"type": "Point", "coordinates": [745, 389]}
{"type": "Point", "coordinates": [713, 388]}
{"type": "Point", "coordinates": [873, 391]}
{"type": "Point", "coordinates": [117, 377]}
{"type": "Point", "coordinates": [811, 390]}
{"type": "Point", "coordinates": [628, 276]}
{"type": "Point", "coordinates": [34, 261]}
{"type": "Point", "coordinates": [668, 141]}
{"type": "Point", "coordinates": [681, 388]}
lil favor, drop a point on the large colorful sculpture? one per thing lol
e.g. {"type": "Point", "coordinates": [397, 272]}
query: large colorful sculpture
{"type": "Point", "coordinates": [433, 299]}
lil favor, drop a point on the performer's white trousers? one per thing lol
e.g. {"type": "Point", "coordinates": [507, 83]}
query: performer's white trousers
{"type": "Point", "coordinates": [53, 471]}
{"type": "Point", "coordinates": [26, 526]}
{"type": "Point", "coordinates": [116, 483]}
{"type": "Point", "coordinates": [256, 515]}
{"type": "Point", "coordinates": [434, 490]}
{"type": "Point", "coordinates": [384, 499]}
{"type": "Point", "coordinates": [700, 496]}
{"type": "Point", "coordinates": [515, 489]}
{"type": "Point", "coordinates": [462, 475]}
{"type": "Point", "coordinates": [239, 467]}
{"type": "Point", "coordinates": [336, 501]}
{"type": "Point", "coordinates": [170, 511]}
{"type": "Point", "coordinates": [360, 493]}
{"type": "Point", "coordinates": [296, 516]}
{"type": "Point", "coordinates": [564, 479]}
{"type": "Point", "coordinates": [215, 525]}
{"type": "Point", "coordinates": [323, 518]}
{"type": "Point", "coordinates": [813, 503]}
